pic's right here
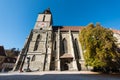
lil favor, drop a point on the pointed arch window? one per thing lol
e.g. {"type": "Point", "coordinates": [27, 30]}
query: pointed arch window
{"type": "Point", "coordinates": [37, 42]}
{"type": "Point", "coordinates": [76, 49]}
{"type": "Point", "coordinates": [64, 45]}
{"type": "Point", "coordinates": [33, 58]}
{"type": "Point", "coordinates": [55, 45]}
{"type": "Point", "coordinates": [44, 18]}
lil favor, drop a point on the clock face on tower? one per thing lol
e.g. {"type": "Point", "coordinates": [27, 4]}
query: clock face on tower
{"type": "Point", "coordinates": [42, 24]}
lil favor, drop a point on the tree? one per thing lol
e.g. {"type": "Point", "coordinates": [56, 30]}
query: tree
{"type": "Point", "coordinates": [12, 52]}
{"type": "Point", "coordinates": [99, 46]}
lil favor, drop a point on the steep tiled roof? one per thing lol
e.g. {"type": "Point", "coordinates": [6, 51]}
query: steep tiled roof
{"type": "Point", "coordinates": [2, 51]}
{"type": "Point", "coordinates": [64, 28]}
{"type": "Point", "coordinates": [76, 28]}
{"type": "Point", "coordinates": [116, 31]}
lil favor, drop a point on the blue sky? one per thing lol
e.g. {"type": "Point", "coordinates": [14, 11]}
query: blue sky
{"type": "Point", "coordinates": [17, 17]}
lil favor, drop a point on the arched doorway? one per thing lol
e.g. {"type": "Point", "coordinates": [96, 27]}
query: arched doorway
{"type": "Point", "coordinates": [66, 67]}
{"type": "Point", "coordinates": [65, 64]}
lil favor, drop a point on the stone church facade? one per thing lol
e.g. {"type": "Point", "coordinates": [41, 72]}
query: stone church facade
{"type": "Point", "coordinates": [52, 47]}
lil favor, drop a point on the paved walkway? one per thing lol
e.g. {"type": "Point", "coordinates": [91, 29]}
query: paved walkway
{"type": "Point", "coordinates": [54, 75]}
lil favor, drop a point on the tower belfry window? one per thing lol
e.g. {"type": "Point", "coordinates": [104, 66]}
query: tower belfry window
{"type": "Point", "coordinates": [37, 42]}
{"type": "Point", "coordinates": [44, 18]}
{"type": "Point", "coordinates": [64, 43]}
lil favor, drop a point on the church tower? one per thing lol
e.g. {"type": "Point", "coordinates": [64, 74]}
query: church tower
{"type": "Point", "coordinates": [51, 47]}
{"type": "Point", "coordinates": [38, 45]}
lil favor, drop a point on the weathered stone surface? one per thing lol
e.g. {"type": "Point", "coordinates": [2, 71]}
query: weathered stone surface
{"type": "Point", "coordinates": [45, 45]}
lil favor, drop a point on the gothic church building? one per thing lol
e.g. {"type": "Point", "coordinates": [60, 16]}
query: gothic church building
{"type": "Point", "coordinates": [51, 47]}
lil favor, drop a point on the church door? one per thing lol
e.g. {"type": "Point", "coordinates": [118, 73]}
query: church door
{"type": "Point", "coordinates": [66, 66]}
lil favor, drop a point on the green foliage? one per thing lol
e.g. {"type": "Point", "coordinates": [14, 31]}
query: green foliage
{"type": "Point", "coordinates": [98, 45]}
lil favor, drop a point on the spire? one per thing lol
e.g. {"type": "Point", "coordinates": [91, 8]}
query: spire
{"type": "Point", "coordinates": [47, 11]}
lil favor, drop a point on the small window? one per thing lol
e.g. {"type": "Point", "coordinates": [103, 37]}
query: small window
{"type": "Point", "coordinates": [37, 42]}
{"type": "Point", "coordinates": [64, 45]}
{"type": "Point", "coordinates": [33, 58]}
{"type": "Point", "coordinates": [8, 60]}
{"type": "Point", "coordinates": [14, 60]}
